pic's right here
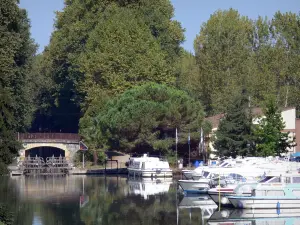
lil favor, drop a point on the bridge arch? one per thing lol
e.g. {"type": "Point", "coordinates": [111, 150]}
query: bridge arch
{"type": "Point", "coordinates": [68, 143]}
{"type": "Point", "coordinates": [31, 146]}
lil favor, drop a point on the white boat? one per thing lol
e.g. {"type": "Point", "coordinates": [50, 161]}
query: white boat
{"type": "Point", "coordinates": [284, 195]}
{"type": "Point", "coordinates": [149, 167]}
{"type": "Point", "coordinates": [220, 194]}
{"type": "Point", "coordinates": [255, 217]}
{"type": "Point", "coordinates": [210, 178]}
{"type": "Point", "coordinates": [198, 172]}
{"type": "Point", "coordinates": [195, 186]}
{"type": "Point", "coordinates": [146, 187]}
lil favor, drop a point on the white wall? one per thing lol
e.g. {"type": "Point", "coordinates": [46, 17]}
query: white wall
{"type": "Point", "coordinates": [289, 117]}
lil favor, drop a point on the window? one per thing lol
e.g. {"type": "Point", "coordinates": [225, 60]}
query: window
{"type": "Point", "coordinates": [274, 180]}
{"type": "Point", "coordinates": [296, 180]}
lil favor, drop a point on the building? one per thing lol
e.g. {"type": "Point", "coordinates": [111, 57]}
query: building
{"type": "Point", "coordinates": [292, 125]}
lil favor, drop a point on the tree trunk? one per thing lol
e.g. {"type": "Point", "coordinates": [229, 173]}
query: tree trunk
{"type": "Point", "coordinates": [286, 96]}
{"type": "Point", "coordinates": [95, 156]}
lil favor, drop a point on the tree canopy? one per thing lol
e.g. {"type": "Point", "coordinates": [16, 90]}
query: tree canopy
{"type": "Point", "coordinates": [144, 118]}
{"type": "Point", "coordinates": [16, 54]}
{"type": "Point", "coordinates": [107, 46]}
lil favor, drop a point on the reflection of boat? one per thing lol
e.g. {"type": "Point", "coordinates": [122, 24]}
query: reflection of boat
{"type": "Point", "coordinates": [197, 201]}
{"type": "Point", "coordinates": [194, 202]}
{"type": "Point", "coordinates": [259, 216]}
{"type": "Point", "coordinates": [149, 167]}
{"type": "Point", "coordinates": [149, 186]}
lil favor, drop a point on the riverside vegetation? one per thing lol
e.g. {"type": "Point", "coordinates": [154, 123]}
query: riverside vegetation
{"type": "Point", "coordinates": [115, 72]}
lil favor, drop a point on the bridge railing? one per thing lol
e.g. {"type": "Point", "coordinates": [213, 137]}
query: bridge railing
{"type": "Point", "coordinates": [49, 136]}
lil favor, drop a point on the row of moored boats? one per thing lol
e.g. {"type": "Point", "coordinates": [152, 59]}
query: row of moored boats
{"type": "Point", "coordinates": [249, 183]}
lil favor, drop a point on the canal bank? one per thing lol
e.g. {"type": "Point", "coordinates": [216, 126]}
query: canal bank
{"type": "Point", "coordinates": [99, 171]}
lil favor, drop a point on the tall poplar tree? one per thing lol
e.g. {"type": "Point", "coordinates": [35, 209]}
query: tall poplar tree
{"type": "Point", "coordinates": [222, 52]}
{"type": "Point", "coordinates": [16, 53]}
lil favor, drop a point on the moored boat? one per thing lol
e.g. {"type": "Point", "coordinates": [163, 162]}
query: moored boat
{"type": "Point", "coordinates": [250, 216]}
{"type": "Point", "coordinates": [284, 195]}
{"type": "Point", "coordinates": [149, 167]}
{"type": "Point", "coordinates": [195, 186]}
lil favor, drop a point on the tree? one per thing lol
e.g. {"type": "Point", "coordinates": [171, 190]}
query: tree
{"type": "Point", "coordinates": [16, 53]}
{"type": "Point", "coordinates": [83, 59]}
{"type": "Point", "coordinates": [189, 75]}
{"type": "Point", "coordinates": [270, 140]}
{"type": "Point", "coordinates": [234, 132]}
{"type": "Point", "coordinates": [144, 119]}
{"type": "Point", "coordinates": [121, 53]}
{"type": "Point", "coordinates": [223, 50]}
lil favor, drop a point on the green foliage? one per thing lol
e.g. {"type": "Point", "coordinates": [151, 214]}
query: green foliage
{"type": "Point", "coordinates": [6, 217]}
{"type": "Point", "coordinates": [107, 47]}
{"type": "Point", "coordinates": [16, 52]}
{"type": "Point", "coordinates": [121, 52]}
{"type": "Point", "coordinates": [222, 50]}
{"type": "Point", "coordinates": [189, 75]}
{"type": "Point", "coordinates": [144, 118]}
{"type": "Point", "coordinates": [270, 140]}
{"type": "Point", "coordinates": [234, 131]}
{"type": "Point", "coordinates": [236, 53]}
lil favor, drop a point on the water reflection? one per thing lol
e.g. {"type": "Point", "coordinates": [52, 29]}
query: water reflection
{"type": "Point", "coordinates": [116, 200]}
{"type": "Point", "coordinates": [199, 206]}
{"type": "Point", "coordinates": [149, 186]}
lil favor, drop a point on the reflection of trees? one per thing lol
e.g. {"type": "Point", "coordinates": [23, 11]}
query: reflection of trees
{"type": "Point", "coordinates": [109, 203]}
{"type": "Point", "coordinates": [112, 206]}
{"type": "Point", "coordinates": [26, 208]}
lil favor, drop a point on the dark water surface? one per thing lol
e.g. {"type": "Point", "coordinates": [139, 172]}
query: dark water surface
{"type": "Point", "coordinates": [96, 200]}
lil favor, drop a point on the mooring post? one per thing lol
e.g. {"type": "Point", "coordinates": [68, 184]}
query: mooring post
{"type": "Point", "coordinates": [83, 160]}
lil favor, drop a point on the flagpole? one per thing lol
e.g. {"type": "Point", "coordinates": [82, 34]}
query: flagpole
{"type": "Point", "coordinates": [176, 149]}
{"type": "Point", "coordinates": [189, 142]}
{"type": "Point", "coordinates": [201, 145]}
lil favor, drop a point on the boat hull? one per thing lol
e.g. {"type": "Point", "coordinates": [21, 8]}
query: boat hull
{"type": "Point", "coordinates": [192, 186]}
{"type": "Point", "coordinates": [264, 203]}
{"type": "Point", "coordinates": [150, 173]}
{"type": "Point", "coordinates": [251, 216]}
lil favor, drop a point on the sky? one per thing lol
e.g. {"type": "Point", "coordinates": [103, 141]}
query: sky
{"type": "Point", "coordinates": [190, 13]}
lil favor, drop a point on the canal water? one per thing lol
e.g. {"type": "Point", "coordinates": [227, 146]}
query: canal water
{"type": "Point", "coordinates": [93, 200]}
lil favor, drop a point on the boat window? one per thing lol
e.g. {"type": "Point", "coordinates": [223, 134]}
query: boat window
{"type": "Point", "coordinates": [288, 180]}
{"type": "Point", "coordinates": [143, 165]}
{"type": "Point", "coordinates": [296, 180]}
{"type": "Point", "coordinates": [264, 180]}
{"type": "Point", "coordinates": [205, 174]}
{"type": "Point", "coordinates": [296, 192]}
{"type": "Point", "coordinates": [274, 180]}
{"type": "Point", "coordinates": [224, 165]}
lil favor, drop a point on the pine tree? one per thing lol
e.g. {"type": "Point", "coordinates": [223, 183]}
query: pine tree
{"type": "Point", "coordinates": [234, 132]}
{"type": "Point", "coordinates": [270, 140]}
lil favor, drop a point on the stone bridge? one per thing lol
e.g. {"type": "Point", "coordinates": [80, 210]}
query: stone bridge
{"type": "Point", "coordinates": [49, 144]}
